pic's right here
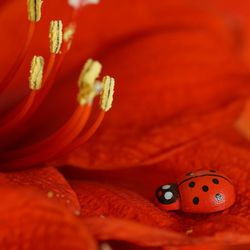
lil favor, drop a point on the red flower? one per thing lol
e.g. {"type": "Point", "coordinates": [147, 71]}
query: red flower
{"type": "Point", "coordinates": [182, 84]}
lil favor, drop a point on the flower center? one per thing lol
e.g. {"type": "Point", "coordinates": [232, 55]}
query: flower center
{"type": "Point", "coordinates": [71, 134]}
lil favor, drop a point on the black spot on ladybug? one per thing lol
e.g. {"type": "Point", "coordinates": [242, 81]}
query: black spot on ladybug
{"type": "Point", "coordinates": [215, 181]}
{"type": "Point", "coordinates": [196, 200]}
{"type": "Point", "coordinates": [219, 197]}
{"type": "Point", "coordinates": [205, 188]}
{"type": "Point", "coordinates": [213, 171]}
{"type": "Point", "coordinates": [191, 184]}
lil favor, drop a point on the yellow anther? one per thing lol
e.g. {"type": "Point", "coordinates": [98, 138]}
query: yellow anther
{"type": "Point", "coordinates": [55, 36]}
{"type": "Point", "coordinates": [69, 32]}
{"type": "Point", "coordinates": [86, 95]}
{"type": "Point", "coordinates": [34, 10]}
{"type": "Point", "coordinates": [90, 73]}
{"type": "Point", "coordinates": [36, 73]}
{"type": "Point", "coordinates": [107, 93]}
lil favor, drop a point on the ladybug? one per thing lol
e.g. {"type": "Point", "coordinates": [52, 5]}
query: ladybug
{"type": "Point", "coordinates": [204, 191]}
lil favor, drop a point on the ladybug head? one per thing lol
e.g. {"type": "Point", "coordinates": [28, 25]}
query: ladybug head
{"type": "Point", "coordinates": [167, 197]}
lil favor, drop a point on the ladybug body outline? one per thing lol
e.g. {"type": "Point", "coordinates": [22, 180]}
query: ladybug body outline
{"type": "Point", "coordinates": [204, 191]}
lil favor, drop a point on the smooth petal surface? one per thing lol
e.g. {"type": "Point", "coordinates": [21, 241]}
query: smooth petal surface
{"type": "Point", "coordinates": [237, 15]}
{"type": "Point", "coordinates": [31, 221]}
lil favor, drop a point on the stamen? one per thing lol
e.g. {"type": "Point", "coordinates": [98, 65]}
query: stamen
{"type": "Point", "coordinates": [8, 78]}
{"type": "Point", "coordinates": [34, 10]}
{"type": "Point", "coordinates": [60, 139]}
{"type": "Point", "coordinates": [49, 84]}
{"type": "Point", "coordinates": [39, 145]}
{"type": "Point", "coordinates": [90, 72]}
{"type": "Point", "coordinates": [86, 82]}
{"type": "Point", "coordinates": [35, 83]}
{"type": "Point", "coordinates": [53, 145]}
{"type": "Point", "coordinates": [55, 35]}
{"type": "Point", "coordinates": [34, 15]}
{"type": "Point", "coordinates": [88, 134]}
{"type": "Point", "coordinates": [68, 36]}
{"type": "Point", "coordinates": [36, 72]}
{"type": "Point", "coordinates": [24, 111]}
{"type": "Point", "coordinates": [69, 32]}
{"type": "Point", "coordinates": [50, 67]}
{"type": "Point", "coordinates": [18, 115]}
{"type": "Point", "coordinates": [106, 103]}
{"type": "Point", "coordinates": [36, 80]}
{"type": "Point", "coordinates": [69, 134]}
{"type": "Point", "coordinates": [86, 95]}
{"type": "Point", "coordinates": [107, 93]}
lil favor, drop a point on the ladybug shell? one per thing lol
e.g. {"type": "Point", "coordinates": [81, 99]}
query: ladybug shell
{"type": "Point", "coordinates": [205, 191]}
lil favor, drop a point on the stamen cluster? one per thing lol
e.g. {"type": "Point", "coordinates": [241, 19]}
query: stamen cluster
{"type": "Point", "coordinates": [42, 76]}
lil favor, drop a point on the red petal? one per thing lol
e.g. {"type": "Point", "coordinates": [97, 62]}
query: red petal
{"type": "Point", "coordinates": [47, 181]}
{"type": "Point", "coordinates": [98, 199]}
{"type": "Point", "coordinates": [226, 152]}
{"type": "Point", "coordinates": [29, 221]}
{"type": "Point", "coordinates": [237, 13]}
{"type": "Point", "coordinates": [181, 36]}
{"type": "Point", "coordinates": [122, 245]}
{"type": "Point", "coordinates": [155, 70]}
{"type": "Point", "coordinates": [125, 230]}
{"type": "Point", "coordinates": [109, 202]}
{"type": "Point", "coordinates": [135, 233]}
{"type": "Point", "coordinates": [233, 160]}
